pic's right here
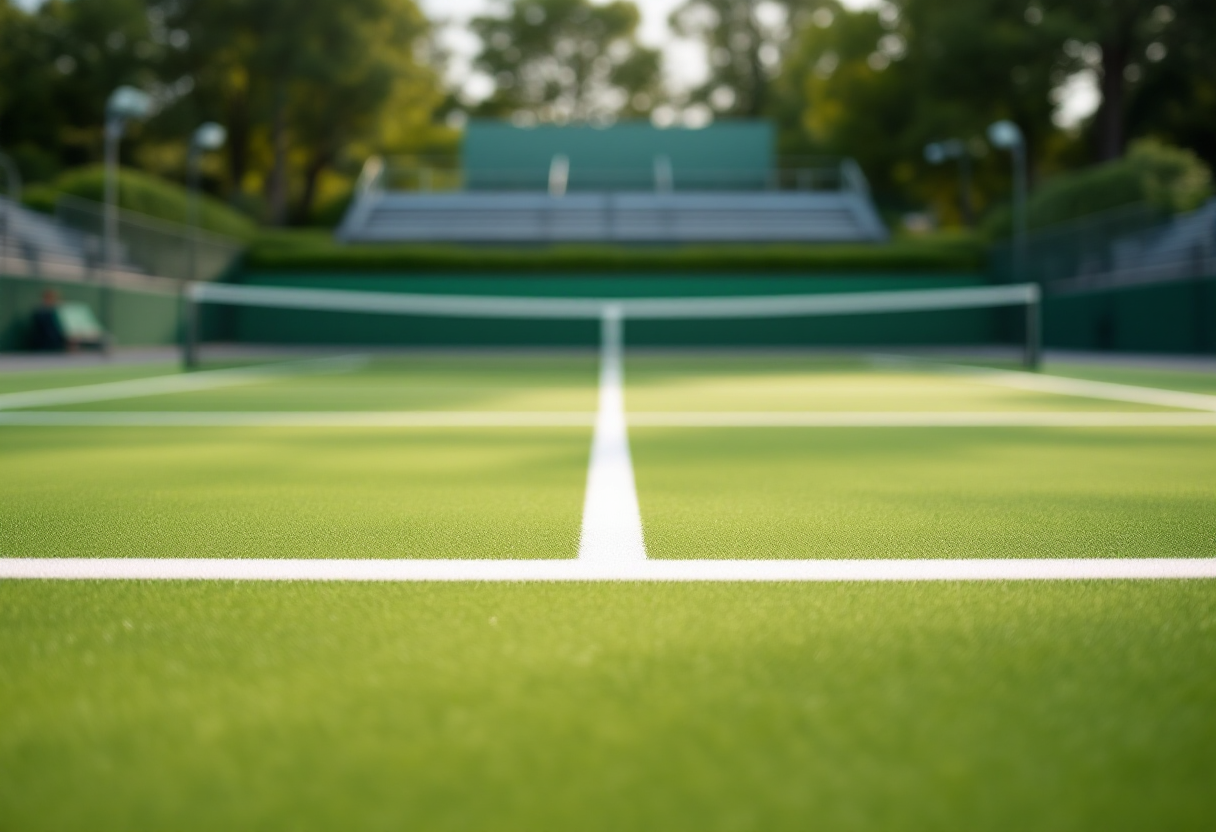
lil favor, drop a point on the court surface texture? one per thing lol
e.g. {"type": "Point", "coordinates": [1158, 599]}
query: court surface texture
{"type": "Point", "coordinates": [643, 590]}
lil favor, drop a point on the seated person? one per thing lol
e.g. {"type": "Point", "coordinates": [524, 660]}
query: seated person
{"type": "Point", "coordinates": [64, 326]}
{"type": "Point", "coordinates": [47, 331]}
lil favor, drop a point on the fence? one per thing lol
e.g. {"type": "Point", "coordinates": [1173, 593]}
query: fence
{"type": "Point", "coordinates": [134, 292]}
{"type": "Point", "coordinates": [147, 245]}
{"type": "Point", "coordinates": [1132, 246]}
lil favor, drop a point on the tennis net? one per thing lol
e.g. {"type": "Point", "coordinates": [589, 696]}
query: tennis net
{"type": "Point", "coordinates": [978, 315]}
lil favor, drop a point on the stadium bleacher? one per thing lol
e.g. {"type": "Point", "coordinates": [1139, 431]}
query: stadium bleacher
{"type": "Point", "coordinates": [632, 183]}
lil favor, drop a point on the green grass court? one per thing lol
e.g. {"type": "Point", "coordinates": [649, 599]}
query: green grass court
{"type": "Point", "coordinates": [312, 705]}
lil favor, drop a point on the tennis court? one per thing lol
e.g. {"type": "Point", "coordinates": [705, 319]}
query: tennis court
{"type": "Point", "coordinates": [749, 617]}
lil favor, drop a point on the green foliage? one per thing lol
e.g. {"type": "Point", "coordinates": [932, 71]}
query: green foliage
{"type": "Point", "coordinates": [559, 60]}
{"type": "Point", "coordinates": [743, 46]}
{"type": "Point", "coordinates": [318, 251]}
{"type": "Point", "coordinates": [143, 194]}
{"type": "Point", "coordinates": [1167, 179]}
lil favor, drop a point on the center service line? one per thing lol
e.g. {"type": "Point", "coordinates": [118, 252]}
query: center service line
{"type": "Point", "coordinates": [612, 521]}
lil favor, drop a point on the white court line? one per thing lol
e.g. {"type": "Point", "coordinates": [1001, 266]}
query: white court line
{"type": "Point", "coordinates": [300, 419]}
{"type": "Point", "coordinates": [558, 419]}
{"type": "Point", "coordinates": [1060, 385]}
{"type": "Point", "coordinates": [918, 419]}
{"type": "Point", "coordinates": [612, 521]}
{"type": "Point", "coordinates": [582, 570]}
{"type": "Point", "coordinates": [176, 383]}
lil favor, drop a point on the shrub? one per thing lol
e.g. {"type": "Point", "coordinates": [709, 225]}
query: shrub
{"type": "Point", "coordinates": [1169, 179]}
{"type": "Point", "coordinates": [305, 250]}
{"type": "Point", "coordinates": [144, 194]}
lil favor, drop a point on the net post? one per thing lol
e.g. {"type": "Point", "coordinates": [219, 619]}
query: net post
{"type": "Point", "coordinates": [1032, 357]}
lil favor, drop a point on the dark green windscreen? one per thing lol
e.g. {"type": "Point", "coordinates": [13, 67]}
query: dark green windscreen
{"type": "Point", "coordinates": [733, 154]}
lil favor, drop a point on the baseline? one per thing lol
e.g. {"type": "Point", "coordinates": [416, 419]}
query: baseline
{"type": "Point", "coordinates": [1061, 385]}
{"type": "Point", "coordinates": [187, 569]}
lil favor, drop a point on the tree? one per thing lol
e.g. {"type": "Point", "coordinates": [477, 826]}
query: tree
{"type": "Point", "coordinates": [1128, 34]}
{"type": "Point", "coordinates": [1174, 98]}
{"type": "Point", "coordinates": [878, 85]}
{"type": "Point", "coordinates": [746, 42]}
{"type": "Point", "coordinates": [59, 63]}
{"type": "Point", "coordinates": [297, 83]}
{"type": "Point", "coordinates": [567, 60]}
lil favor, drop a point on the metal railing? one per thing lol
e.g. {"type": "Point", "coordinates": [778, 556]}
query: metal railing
{"type": "Point", "coordinates": [563, 176]}
{"type": "Point", "coordinates": [148, 245]}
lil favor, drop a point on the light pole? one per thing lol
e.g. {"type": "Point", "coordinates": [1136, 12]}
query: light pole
{"type": "Point", "coordinates": [1008, 136]}
{"type": "Point", "coordinates": [13, 178]}
{"type": "Point", "coordinates": [208, 136]}
{"type": "Point", "coordinates": [939, 152]}
{"type": "Point", "coordinates": [123, 105]}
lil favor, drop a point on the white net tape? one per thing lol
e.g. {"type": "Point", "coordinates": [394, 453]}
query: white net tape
{"type": "Point", "coordinates": [747, 306]}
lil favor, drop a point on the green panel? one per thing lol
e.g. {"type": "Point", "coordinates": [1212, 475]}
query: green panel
{"type": "Point", "coordinates": [139, 318]}
{"type": "Point", "coordinates": [1173, 317]}
{"type": "Point", "coordinates": [288, 326]}
{"type": "Point", "coordinates": [710, 154]}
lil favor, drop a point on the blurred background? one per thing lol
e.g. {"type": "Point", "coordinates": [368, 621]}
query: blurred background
{"type": "Point", "coordinates": [307, 92]}
{"type": "Point", "coordinates": [1065, 142]}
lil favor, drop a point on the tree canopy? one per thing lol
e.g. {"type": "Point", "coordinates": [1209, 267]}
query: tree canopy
{"type": "Point", "coordinates": [567, 60]}
{"type": "Point", "coordinates": [308, 90]}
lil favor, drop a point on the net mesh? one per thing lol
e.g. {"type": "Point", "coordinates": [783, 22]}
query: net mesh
{"type": "Point", "coordinates": [976, 315]}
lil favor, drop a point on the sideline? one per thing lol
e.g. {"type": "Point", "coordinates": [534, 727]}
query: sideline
{"type": "Point", "coordinates": [588, 570]}
{"type": "Point", "coordinates": [176, 383]}
{"type": "Point", "coordinates": [612, 522]}
{"type": "Point", "coordinates": [1061, 385]}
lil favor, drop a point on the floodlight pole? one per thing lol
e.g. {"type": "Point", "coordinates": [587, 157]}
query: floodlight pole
{"type": "Point", "coordinates": [188, 311]}
{"type": "Point", "coordinates": [113, 135]}
{"type": "Point", "coordinates": [939, 152]}
{"type": "Point", "coordinates": [123, 104]}
{"type": "Point", "coordinates": [13, 177]}
{"type": "Point", "coordinates": [1008, 136]}
{"type": "Point", "coordinates": [1018, 151]}
{"type": "Point", "coordinates": [208, 136]}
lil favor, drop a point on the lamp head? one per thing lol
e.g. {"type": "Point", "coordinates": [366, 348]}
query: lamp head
{"type": "Point", "coordinates": [128, 103]}
{"type": "Point", "coordinates": [209, 136]}
{"type": "Point", "coordinates": [1005, 135]}
{"type": "Point", "coordinates": [938, 152]}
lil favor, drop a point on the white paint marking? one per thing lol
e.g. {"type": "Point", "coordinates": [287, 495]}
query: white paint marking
{"type": "Point", "coordinates": [612, 521]}
{"type": "Point", "coordinates": [301, 419]}
{"type": "Point", "coordinates": [177, 383]}
{"type": "Point", "coordinates": [559, 419]}
{"type": "Point", "coordinates": [188, 569]}
{"type": "Point", "coordinates": [1060, 385]}
{"type": "Point", "coordinates": [920, 419]}
{"type": "Point", "coordinates": [1094, 389]}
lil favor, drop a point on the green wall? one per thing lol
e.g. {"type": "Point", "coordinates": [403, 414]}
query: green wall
{"type": "Point", "coordinates": [302, 327]}
{"type": "Point", "coordinates": [140, 318]}
{"type": "Point", "coordinates": [1172, 317]}
{"type": "Point", "coordinates": [1176, 317]}
{"type": "Point", "coordinates": [626, 151]}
